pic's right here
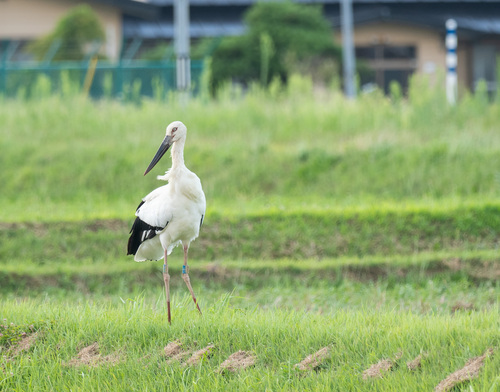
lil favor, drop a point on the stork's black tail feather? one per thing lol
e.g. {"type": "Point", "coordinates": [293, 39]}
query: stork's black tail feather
{"type": "Point", "coordinates": [140, 232]}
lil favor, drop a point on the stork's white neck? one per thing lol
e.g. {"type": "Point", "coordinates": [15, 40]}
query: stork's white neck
{"type": "Point", "coordinates": [178, 153]}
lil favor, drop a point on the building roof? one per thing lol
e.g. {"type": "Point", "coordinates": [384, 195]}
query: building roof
{"type": "Point", "coordinates": [481, 21]}
{"type": "Point", "coordinates": [158, 29]}
{"type": "Point", "coordinates": [209, 18]}
{"type": "Point", "coordinates": [166, 3]}
{"type": "Point", "coordinates": [143, 9]}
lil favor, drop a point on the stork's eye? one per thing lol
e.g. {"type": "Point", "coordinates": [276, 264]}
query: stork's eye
{"type": "Point", "coordinates": [173, 130]}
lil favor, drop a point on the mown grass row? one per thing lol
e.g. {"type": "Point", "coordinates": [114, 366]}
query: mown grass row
{"type": "Point", "coordinates": [273, 235]}
{"type": "Point", "coordinates": [438, 283]}
{"type": "Point", "coordinates": [134, 335]}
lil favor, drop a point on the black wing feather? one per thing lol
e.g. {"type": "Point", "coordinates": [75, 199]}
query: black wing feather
{"type": "Point", "coordinates": [140, 232]}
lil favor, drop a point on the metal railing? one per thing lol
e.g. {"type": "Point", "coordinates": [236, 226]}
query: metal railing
{"type": "Point", "coordinates": [126, 79]}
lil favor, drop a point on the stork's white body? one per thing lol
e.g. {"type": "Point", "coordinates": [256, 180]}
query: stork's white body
{"type": "Point", "coordinates": [179, 207]}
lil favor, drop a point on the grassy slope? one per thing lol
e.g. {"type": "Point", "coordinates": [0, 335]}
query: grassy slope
{"type": "Point", "coordinates": [69, 159]}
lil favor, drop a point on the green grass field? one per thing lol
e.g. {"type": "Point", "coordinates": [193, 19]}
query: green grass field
{"type": "Point", "coordinates": [370, 227]}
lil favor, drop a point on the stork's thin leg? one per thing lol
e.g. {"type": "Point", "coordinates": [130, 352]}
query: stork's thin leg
{"type": "Point", "coordinates": [166, 279]}
{"type": "Point", "coordinates": [185, 276]}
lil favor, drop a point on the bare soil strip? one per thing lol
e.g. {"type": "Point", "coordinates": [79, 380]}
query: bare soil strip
{"type": "Point", "coordinates": [237, 361]}
{"type": "Point", "coordinates": [380, 368]}
{"type": "Point", "coordinates": [172, 349]}
{"type": "Point", "coordinates": [314, 361]}
{"type": "Point", "coordinates": [90, 356]}
{"type": "Point", "coordinates": [40, 278]}
{"type": "Point", "coordinates": [23, 345]}
{"type": "Point", "coordinates": [467, 373]}
{"type": "Point", "coordinates": [415, 363]}
{"type": "Point", "coordinates": [200, 355]}
{"type": "Point", "coordinates": [174, 352]}
{"type": "Point", "coordinates": [462, 306]}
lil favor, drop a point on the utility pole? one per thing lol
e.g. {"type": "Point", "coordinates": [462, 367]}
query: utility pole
{"type": "Point", "coordinates": [181, 43]}
{"type": "Point", "coordinates": [348, 59]}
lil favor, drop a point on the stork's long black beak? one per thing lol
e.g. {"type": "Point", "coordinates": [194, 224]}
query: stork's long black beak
{"type": "Point", "coordinates": [165, 145]}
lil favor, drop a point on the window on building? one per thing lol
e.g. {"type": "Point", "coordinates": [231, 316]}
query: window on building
{"type": "Point", "coordinates": [484, 65]}
{"type": "Point", "coordinates": [387, 63]}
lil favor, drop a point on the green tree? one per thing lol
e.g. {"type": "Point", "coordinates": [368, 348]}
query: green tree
{"type": "Point", "coordinates": [296, 33]}
{"type": "Point", "coordinates": [165, 51]}
{"type": "Point", "coordinates": [71, 36]}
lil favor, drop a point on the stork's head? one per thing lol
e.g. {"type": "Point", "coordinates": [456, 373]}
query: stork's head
{"type": "Point", "coordinates": [175, 132]}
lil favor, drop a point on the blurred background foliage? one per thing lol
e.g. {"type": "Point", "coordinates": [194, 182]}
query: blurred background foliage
{"type": "Point", "coordinates": [72, 38]}
{"type": "Point", "coordinates": [281, 38]}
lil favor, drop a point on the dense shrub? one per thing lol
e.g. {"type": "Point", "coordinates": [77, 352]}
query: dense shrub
{"type": "Point", "coordinates": [281, 38]}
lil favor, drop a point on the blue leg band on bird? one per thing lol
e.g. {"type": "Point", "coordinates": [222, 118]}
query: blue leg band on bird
{"type": "Point", "coordinates": [164, 269]}
{"type": "Point", "coordinates": [184, 269]}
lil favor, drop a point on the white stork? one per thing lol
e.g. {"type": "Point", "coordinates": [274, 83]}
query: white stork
{"type": "Point", "coordinates": [170, 215]}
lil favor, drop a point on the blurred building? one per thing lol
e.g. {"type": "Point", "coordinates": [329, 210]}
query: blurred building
{"type": "Point", "coordinates": [22, 21]}
{"type": "Point", "coordinates": [395, 38]}
{"type": "Point", "coordinates": [398, 38]}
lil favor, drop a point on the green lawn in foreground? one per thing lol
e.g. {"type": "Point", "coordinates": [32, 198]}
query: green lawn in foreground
{"type": "Point", "coordinates": [135, 334]}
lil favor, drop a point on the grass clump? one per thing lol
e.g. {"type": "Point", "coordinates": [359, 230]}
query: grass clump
{"type": "Point", "coordinates": [11, 334]}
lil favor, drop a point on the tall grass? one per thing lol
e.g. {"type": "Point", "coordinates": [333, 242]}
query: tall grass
{"type": "Point", "coordinates": [261, 147]}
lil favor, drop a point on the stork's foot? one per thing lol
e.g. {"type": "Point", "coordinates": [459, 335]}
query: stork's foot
{"type": "Point", "coordinates": [186, 279]}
